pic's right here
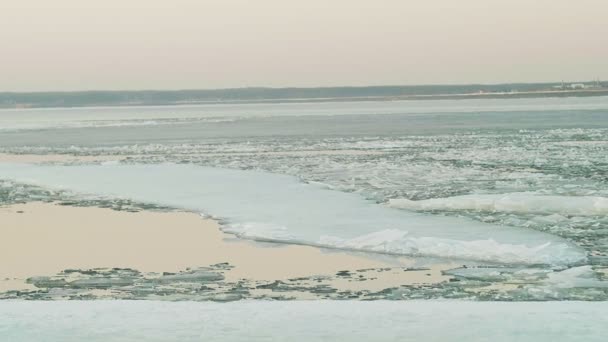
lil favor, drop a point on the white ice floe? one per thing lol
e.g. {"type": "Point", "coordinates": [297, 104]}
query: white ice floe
{"type": "Point", "coordinates": [260, 205]}
{"type": "Point", "coordinates": [399, 242]}
{"type": "Point", "coordinates": [582, 276]}
{"type": "Point", "coordinates": [512, 203]}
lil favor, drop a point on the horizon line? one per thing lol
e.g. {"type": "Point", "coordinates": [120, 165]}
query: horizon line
{"type": "Point", "coordinates": [294, 87]}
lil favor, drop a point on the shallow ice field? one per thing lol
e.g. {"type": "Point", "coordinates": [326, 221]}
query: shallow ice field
{"type": "Point", "coordinates": [515, 190]}
{"type": "Point", "coordinates": [261, 205]}
{"type": "Point", "coordinates": [303, 321]}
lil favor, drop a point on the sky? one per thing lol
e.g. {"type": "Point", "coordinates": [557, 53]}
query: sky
{"type": "Point", "coordinates": [201, 44]}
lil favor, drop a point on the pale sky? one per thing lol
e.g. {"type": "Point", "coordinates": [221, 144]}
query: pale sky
{"type": "Point", "coordinates": [196, 44]}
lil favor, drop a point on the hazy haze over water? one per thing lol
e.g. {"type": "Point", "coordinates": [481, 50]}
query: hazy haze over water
{"type": "Point", "coordinates": [150, 44]}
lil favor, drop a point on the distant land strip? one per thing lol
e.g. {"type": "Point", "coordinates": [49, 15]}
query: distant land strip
{"type": "Point", "coordinates": [286, 95]}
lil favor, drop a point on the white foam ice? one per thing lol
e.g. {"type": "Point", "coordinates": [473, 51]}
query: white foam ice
{"type": "Point", "coordinates": [581, 276]}
{"type": "Point", "coordinates": [259, 205]}
{"type": "Point", "coordinates": [512, 203]}
{"type": "Point", "coordinates": [399, 242]}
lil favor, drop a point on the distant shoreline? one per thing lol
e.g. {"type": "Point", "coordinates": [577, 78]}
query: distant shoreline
{"type": "Point", "coordinates": [289, 95]}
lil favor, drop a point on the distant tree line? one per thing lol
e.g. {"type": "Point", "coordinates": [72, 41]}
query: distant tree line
{"type": "Point", "coordinates": [168, 97]}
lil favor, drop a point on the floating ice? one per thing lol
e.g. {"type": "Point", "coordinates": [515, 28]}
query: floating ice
{"type": "Point", "coordinates": [512, 203]}
{"type": "Point", "coordinates": [259, 205]}
{"type": "Point", "coordinates": [582, 276]}
{"type": "Point", "coordinates": [399, 242]}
